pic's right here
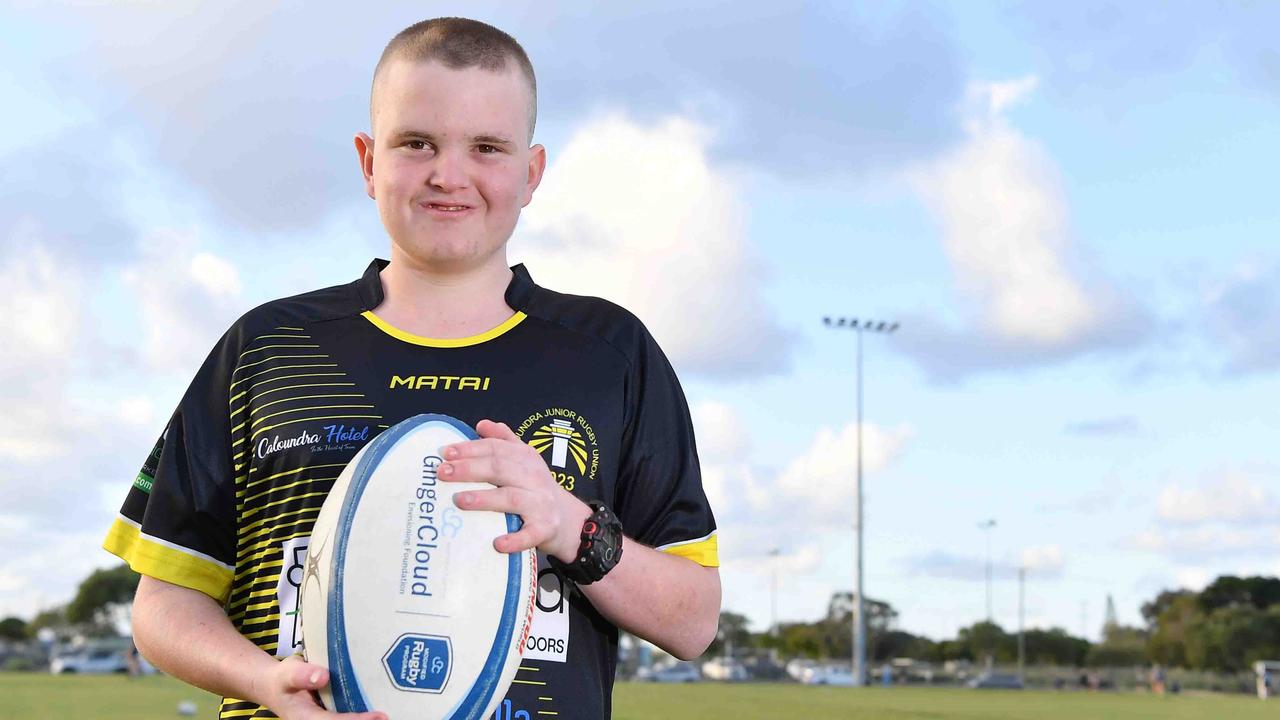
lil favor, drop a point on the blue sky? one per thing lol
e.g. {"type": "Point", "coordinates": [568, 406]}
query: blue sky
{"type": "Point", "coordinates": [1070, 211]}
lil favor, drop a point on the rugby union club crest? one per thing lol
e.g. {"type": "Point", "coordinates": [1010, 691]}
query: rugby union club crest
{"type": "Point", "coordinates": [566, 440]}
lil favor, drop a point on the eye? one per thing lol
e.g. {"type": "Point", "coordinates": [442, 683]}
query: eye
{"type": "Point", "coordinates": [417, 144]}
{"type": "Point", "coordinates": [487, 149]}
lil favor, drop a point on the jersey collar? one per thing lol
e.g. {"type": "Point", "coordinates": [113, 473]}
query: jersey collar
{"type": "Point", "coordinates": [369, 286]}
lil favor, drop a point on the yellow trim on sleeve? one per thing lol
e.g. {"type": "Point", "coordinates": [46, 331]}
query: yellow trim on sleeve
{"type": "Point", "coordinates": [705, 552]}
{"type": "Point", "coordinates": [166, 563]}
{"type": "Point", "coordinates": [399, 334]}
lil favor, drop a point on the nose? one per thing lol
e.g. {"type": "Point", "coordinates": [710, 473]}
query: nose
{"type": "Point", "coordinates": [447, 172]}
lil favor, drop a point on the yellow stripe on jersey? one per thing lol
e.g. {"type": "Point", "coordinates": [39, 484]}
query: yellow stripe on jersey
{"type": "Point", "coordinates": [704, 551]}
{"type": "Point", "coordinates": [167, 563]}
{"type": "Point", "coordinates": [399, 334]}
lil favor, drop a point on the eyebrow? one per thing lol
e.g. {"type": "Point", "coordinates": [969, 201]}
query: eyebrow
{"type": "Point", "coordinates": [405, 134]}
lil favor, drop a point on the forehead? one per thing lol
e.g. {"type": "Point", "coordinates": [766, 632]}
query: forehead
{"type": "Point", "coordinates": [431, 97]}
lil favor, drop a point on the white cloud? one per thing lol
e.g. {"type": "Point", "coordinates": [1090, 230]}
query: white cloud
{"type": "Point", "coordinates": [722, 436]}
{"type": "Point", "coordinates": [1004, 221]}
{"type": "Point", "coordinates": [1043, 560]}
{"type": "Point", "coordinates": [639, 215]}
{"type": "Point", "coordinates": [1212, 541]}
{"type": "Point", "coordinates": [1195, 578]}
{"type": "Point", "coordinates": [216, 275]}
{"type": "Point", "coordinates": [139, 411]}
{"type": "Point", "coordinates": [186, 299]}
{"type": "Point", "coordinates": [820, 481]}
{"type": "Point", "coordinates": [39, 309]}
{"type": "Point", "coordinates": [1005, 225]}
{"type": "Point", "coordinates": [1232, 497]}
{"type": "Point", "coordinates": [1001, 95]}
{"type": "Point", "coordinates": [40, 319]}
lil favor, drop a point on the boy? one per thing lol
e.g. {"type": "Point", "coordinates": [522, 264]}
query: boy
{"type": "Point", "coordinates": [580, 416]}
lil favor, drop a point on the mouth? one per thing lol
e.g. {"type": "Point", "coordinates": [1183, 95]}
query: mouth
{"type": "Point", "coordinates": [444, 208]}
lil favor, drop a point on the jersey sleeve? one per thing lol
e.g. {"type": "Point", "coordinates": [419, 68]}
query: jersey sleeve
{"type": "Point", "coordinates": [178, 521]}
{"type": "Point", "coordinates": [661, 502]}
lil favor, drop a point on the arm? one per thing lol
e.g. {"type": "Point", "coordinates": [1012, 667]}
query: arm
{"type": "Point", "coordinates": [187, 634]}
{"type": "Point", "coordinates": [670, 601]}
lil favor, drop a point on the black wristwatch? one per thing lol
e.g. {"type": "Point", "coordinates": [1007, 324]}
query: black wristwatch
{"type": "Point", "coordinates": [600, 550]}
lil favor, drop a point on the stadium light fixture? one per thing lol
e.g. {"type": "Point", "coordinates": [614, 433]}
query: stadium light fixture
{"type": "Point", "coordinates": [859, 608]}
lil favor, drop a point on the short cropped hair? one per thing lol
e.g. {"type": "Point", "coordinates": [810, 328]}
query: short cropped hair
{"type": "Point", "coordinates": [459, 43]}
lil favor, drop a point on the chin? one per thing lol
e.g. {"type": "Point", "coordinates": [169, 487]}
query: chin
{"type": "Point", "coordinates": [445, 251]}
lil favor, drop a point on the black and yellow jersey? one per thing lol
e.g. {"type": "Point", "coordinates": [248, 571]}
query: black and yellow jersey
{"type": "Point", "coordinates": [226, 500]}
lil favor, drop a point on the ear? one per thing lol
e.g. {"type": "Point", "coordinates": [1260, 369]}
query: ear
{"type": "Point", "coordinates": [537, 164]}
{"type": "Point", "coordinates": [364, 150]}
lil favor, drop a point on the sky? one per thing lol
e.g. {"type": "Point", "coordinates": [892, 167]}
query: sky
{"type": "Point", "coordinates": [1071, 212]}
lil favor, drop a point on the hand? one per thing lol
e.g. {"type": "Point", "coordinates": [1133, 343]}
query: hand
{"type": "Point", "coordinates": [552, 516]}
{"type": "Point", "coordinates": [287, 689]}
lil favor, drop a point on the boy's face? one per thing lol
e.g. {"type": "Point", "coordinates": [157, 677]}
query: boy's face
{"type": "Point", "coordinates": [450, 164]}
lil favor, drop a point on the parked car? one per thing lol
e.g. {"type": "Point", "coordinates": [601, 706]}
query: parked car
{"type": "Point", "coordinates": [996, 681]}
{"type": "Point", "coordinates": [827, 675]}
{"type": "Point", "coordinates": [680, 672]}
{"type": "Point", "coordinates": [724, 669]}
{"type": "Point", "coordinates": [89, 662]}
{"type": "Point", "coordinates": [797, 668]}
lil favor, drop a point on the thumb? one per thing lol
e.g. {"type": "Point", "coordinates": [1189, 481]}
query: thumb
{"type": "Point", "coordinates": [305, 676]}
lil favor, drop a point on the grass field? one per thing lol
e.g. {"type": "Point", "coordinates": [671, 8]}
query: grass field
{"type": "Point", "coordinates": [118, 698]}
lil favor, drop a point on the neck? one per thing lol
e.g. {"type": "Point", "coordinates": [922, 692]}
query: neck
{"type": "Point", "coordinates": [446, 302]}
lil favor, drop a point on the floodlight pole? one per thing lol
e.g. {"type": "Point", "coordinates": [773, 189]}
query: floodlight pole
{"type": "Point", "coordinates": [773, 593]}
{"type": "Point", "coordinates": [859, 606]}
{"type": "Point", "coordinates": [1022, 618]}
{"type": "Point", "coordinates": [986, 527]}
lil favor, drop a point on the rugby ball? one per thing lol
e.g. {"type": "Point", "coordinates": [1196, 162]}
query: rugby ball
{"type": "Point", "coordinates": [404, 598]}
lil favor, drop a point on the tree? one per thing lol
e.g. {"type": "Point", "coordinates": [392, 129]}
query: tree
{"type": "Point", "coordinates": [99, 591]}
{"type": "Point", "coordinates": [1175, 612]}
{"type": "Point", "coordinates": [1151, 611]}
{"type": "Point", "coordinates": [732, 631]}
{"type": "Point", "coordinates": [1230, 591]}
{"type": "Point", "coordinates": [1120, 646]}
{"type": "Point", "coordinates": [53, 617]}
{"type": "Point", "coordinates": [12, 628]}
{"type": "Point", "coordinates": [1232, 638]}
{"type": "Point", "coordinates": [898, 644]}
{"type": "Point", "coordinates": [987, 638]}
{"type": "Point", "coordinates": [1055, 647]}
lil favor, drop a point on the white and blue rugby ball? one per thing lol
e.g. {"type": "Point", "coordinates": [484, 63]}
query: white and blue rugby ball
{"type": "Point", "coordinates": [404, 598]}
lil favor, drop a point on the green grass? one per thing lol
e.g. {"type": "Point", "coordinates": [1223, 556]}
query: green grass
{"type": "Point", "coordinates": [751, 702]}
{"type": "Point", "coordinates": [98, 697]}
{"type": "Point", "coordinates": [25, 695]}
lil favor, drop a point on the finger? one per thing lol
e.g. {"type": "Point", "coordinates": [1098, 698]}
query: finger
{"type": "Point", "coordinates": [496, 430]}
{"type": "Point", "coordinates": [527, 537]}
{"type": "Point", "coordinates": [503, 499]}
{"type": "Point", "coordinates": [483, 447]}
{"type": "Point", "coordinates": [479, 469]}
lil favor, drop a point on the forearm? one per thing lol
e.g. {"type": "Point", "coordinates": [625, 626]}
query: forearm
{"type": "Point", "coordinates": [187, 634]}
{"type": "Point", "coordinates": [668, 600]}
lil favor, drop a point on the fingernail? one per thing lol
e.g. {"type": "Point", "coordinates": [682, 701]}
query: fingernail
{"type": "Point", "coordinates": [461, 499]}
{"type": "Point", "coordinates": [450, 453]}
{"type": "Point", "coordinates": [446, 469]}
{"type": "Point", "coordinates": [315, 677]}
